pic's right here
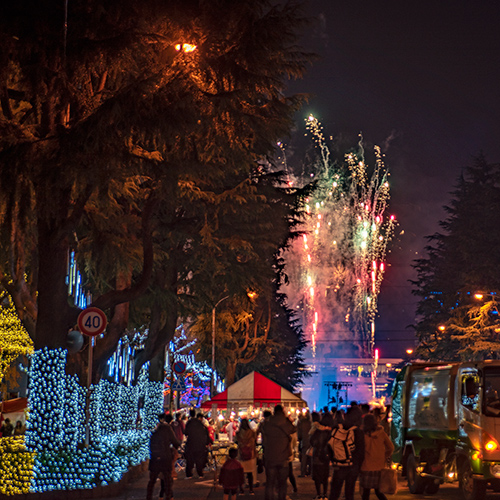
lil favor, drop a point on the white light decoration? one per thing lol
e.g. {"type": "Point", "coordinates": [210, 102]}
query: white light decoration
{"type": "Point", "coordinates": [81, 298]}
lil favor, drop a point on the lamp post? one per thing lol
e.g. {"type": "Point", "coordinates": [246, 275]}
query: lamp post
{"type": "Point", "coordinates": [213, 346]}
{"type": "Point", "coordinates": [492, 295]}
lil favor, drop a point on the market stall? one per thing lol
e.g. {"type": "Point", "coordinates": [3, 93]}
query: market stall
{"type": "Point", "coordinates": [255, 391]}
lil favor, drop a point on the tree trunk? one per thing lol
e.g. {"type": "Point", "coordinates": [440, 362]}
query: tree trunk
{"type": "Point", "coordinates": [230, 373]}
{"type": "Point", "coordinates": [156, 367]}
{"type": "Point", "coordinates": [105, 347]}
{"type": "Point", "coordinates": [163, 320]}
{"type": "Point", "coordinates": [54, 313]}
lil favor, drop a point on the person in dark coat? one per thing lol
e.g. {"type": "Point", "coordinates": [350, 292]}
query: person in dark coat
{"type": "Point", "coordinates": [197, 442]}
{"type": "Point", "coordinates": [276, 436]}
{"type": "Point", "coordinates": [349, 473]}
{"type": "Point", "coordinates": [7, 428]}
{"type": "Point", "coordinates": [319, 436]}
{"type": "Point", "coordinates": [160, 462]}
{"type": "Point", "coordinates": [328, 419]}
{"type": "Point", "coordinates": [303, 428]}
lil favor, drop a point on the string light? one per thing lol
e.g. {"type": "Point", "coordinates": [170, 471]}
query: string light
{"type": "Point", "coordinates": [121, 420]}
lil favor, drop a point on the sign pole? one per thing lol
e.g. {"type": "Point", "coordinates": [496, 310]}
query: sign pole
{"type": "Point", "coordinates": [89, 383]}
{"type": "Point", "coordinates": [90, 361]}
{"type": "Point", "coordinates": [91, 322]}
{"type": "Point", "coordinates": [170, 364]}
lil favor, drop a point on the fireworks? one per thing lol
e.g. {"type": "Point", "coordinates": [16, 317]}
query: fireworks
{"type": "Point", "coordinates": [337, 268]}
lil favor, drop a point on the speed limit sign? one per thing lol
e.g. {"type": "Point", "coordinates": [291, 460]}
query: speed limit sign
{"type": "Point", "coordinates": [92, 321]}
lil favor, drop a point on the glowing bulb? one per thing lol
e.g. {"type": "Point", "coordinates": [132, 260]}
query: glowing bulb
{"type": "Point", "coordinates": [185, 47]}
{"type": "Point", "coordinates": [491, 446]}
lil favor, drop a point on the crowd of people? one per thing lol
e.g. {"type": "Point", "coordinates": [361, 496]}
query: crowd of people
{"type": "Point", "coordinates": [8, 430]}
{"type": "Point", "coordinates": [335, 449]}
{"type": "Point", "coordinates": [353, 443]}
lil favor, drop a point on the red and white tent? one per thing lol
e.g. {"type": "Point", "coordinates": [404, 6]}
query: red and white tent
{"type": "Point", "coordinates": [254, 390]}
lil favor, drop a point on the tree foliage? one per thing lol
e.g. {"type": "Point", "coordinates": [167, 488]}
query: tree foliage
{"type": "Point", "coordinates": [461, 262]}
{"type": "Point", "coordinates": [134, 154]}
{"type": "Point", "coordinates": [251, 332]}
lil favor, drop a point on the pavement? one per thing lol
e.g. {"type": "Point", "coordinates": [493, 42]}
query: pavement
{"type": "Point", "coordinates": [204, 488]}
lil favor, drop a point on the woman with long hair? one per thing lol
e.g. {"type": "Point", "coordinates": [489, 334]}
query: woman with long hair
{"type": "Point", "coordinates": [378, 450]}
{"type": "Point", "coordinates": [246, 438]}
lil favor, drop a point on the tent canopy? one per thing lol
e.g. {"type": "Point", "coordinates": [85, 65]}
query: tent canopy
{"type": "Point", "coordinates": [254, 390]}
{"type": "Point", "coordinates": [14, 405]}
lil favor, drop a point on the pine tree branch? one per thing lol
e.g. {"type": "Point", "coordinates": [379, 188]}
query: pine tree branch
{"type": "Point", "coordinates": [115, 297]}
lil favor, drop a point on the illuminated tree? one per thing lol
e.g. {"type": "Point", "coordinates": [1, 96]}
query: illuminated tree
{"type": "Point", "coordinates": [14, 339]}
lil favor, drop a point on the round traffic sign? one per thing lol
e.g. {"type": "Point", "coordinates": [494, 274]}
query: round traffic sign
{"type": "Point", "coordinates": [92, 321]}
{"type": "Point", "coordinates": [179, 367]}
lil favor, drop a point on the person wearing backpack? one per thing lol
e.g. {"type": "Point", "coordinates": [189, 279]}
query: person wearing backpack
{"type": "Point", "coordinates": [347, 445]}
{"type": "Point", "coordinates": [320, 456]}
{"type": "Point", "coordinates": [378, 450]}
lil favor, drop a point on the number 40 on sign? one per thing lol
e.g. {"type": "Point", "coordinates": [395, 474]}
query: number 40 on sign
{"type": "Point", "coordinates": [92, 321]}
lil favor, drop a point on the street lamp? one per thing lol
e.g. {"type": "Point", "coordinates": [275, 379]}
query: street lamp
{"type": "Point", "coordinates": [492, 295]}
{"type": "Point", "coordinates": [213, 346]}
{"type": "Point", "coordinates": [185, 47]}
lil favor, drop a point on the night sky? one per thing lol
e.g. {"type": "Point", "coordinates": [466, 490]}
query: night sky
{"type": "Point", "coordinates": [422, 81]}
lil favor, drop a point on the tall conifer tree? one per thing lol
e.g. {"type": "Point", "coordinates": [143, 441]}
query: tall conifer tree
{"type": "Point", "coordinates": [461, 262]}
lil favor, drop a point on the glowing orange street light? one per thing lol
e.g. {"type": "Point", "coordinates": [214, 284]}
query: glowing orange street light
{"type": "Point", "coordinates": [409, 351]}
{"type": "Point", "coordinates": [441, 328]}
{"type": "Point", "coordinates": [478, 296]}
{"type": "Point", "coordinates": [185, 47]}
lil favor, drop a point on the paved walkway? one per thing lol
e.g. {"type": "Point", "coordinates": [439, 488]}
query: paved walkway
{"type": "Point", "coordinates": [201, 489]}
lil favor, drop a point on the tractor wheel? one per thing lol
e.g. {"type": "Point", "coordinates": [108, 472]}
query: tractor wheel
{"type": "Point", "coordinates": [416, 483]}
{"type": "Point", "coordinates": [472, 489]}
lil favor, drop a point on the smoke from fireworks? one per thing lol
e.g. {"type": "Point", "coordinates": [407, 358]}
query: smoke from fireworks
{"type": "Point", "coordinates": [336, 268]}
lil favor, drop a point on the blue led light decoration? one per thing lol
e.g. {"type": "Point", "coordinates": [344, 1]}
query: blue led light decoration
{"type": "Point", "coordinates": [52, 456]}
{"type": "Point", "coordinates": [121, 422]}
{"type": "Point", "coordinates": [197, 375]}
{"type": "Point", "coordinates": [81, 298]}
{"type": "Point", "coordinates": [121, 366]}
